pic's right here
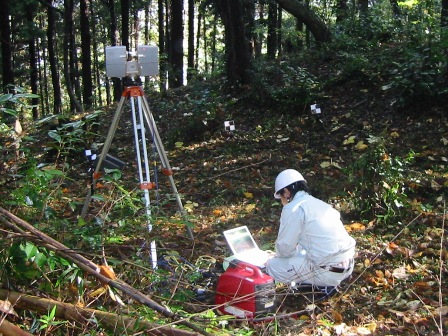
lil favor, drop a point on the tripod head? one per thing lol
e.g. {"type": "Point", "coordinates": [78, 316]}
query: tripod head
{"type": "Point", "coordinates": [131, 81]}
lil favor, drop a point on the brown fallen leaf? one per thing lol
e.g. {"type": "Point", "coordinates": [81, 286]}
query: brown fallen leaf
{"type": "Point", "coordinates": [337, 317]}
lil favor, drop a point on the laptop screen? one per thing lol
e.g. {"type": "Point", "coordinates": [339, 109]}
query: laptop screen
{"type": "Point", "coordinates": [240, 239]}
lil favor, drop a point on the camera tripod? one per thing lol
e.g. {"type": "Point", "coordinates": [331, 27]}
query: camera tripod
{"type": "Point", "coordinates": [140, 114]}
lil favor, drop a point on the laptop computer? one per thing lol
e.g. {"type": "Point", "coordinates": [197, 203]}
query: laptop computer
{"type": "Point", "coordinates": [244, 247]}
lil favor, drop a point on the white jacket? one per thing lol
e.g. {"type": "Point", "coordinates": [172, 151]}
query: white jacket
{"type": "Point", "coordinates": [313, 228]}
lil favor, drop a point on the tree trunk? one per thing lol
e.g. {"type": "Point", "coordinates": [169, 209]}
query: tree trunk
{"type": "Point", "coordinates": [271, 42]}
{"type": "Point", "coordinates": [341, 10]}
{"type": "Point", "coordinates": [259, 35]}
{"type": "Point", "coordinates": [113, 32]}
{"type": "Point", "coordinates": [6, 46]}
{"type": "Point", "coordinates": [363, 6]}
{"type": "Point", "coordinates": [198, 42]}
{"type": "Point", "coordinates": [248, 7]}
{"type": "Point", "coordinates": [125, 23]}
{"type": "Point", "coordinates": [41, 66]}
{"type": "Point", "coordinates": [136, 30]}
{"type": "Point", "coordinates": [68, 42]}
{"type": "Point", "coordinates": [57, 101]}
{"type": "Point", "coordinates": [317, 27]}
{"type": "Point", "coordinates": [191, 49]}
{"type": "Point", "coordinates": [98, 100]}
{"type": "Point", "coordinates": [176, 44]}
{"type": "Point", "coordinates": [162, 43]}
{"type": "Point", "coordinates": [444, 15]}
{"type": "Point", "coordinates": [33, 64]}
{"type": "Point", "coordinates": [237, 50]}
{"type": "Point", "coordinates": [395, 8]}
{"type": "Point", "coordinates": [279, 30]}
{"type": "Point", "coordinates": [86, 71]}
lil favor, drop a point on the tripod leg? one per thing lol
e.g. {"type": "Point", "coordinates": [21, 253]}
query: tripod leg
{"type": "Point", "coordinates": [165, 163]}
{"type": "Point", "coordinates": [105, 150]}
{"type": "Point", "coordinates": [143, 166]}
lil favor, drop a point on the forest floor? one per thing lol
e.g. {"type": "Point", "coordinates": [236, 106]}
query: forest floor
{"type": "Point", "coordinates": [226, 180]}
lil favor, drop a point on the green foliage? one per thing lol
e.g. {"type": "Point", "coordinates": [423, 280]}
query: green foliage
{"type": "Point", "coordinates": [282, 86]}
{"type": "Point", "coordinates": [48, 321]}
{"type": "Point", "coordinates": [27, 263]}
{"type": "Point", "coordinates": [201, 110]}
{"type": "Point", "coordinates": [379, 181]}
{"type": "Point", "coordinates": [72, 137]}
{"type": "Point", "coordinates": [37, 184]}
{"type": "Point", "coordinates": [11, 104]}
{"type": "Point", "coordinates": [418, 82]}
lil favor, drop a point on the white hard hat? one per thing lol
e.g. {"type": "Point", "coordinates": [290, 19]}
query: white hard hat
{"type": "Point", "coordinates": [285, 178]}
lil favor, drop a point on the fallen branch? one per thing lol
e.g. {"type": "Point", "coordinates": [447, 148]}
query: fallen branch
{"type": "Point", "coordinates": [9, 329]}
{"type": "Point", "coordinates": [67, 311]}
{"type": "Point", "coordinates": [236, 169]}
{"type": "Point", "coordinates": [91, 268]}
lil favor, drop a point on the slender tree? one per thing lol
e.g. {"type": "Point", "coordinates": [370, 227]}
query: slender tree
{"type": "Point", "coordinates": [271, 42]}
{"type": "Point", "coordinates": [6, 45]}
{"type": "Point", "coordinates": [395, 7]}
{"type": "Point", "coordinates": [279, 29]}
{"type": "Point", "coordinates": [162, 43]}
{"type": "Point", "coordinates": [125, 23]}
{"type": "Point", "coordinates": [176, 44]}
{"type": "Point", "coordinates": [342, 10]}
{"type": "Point", "coordinates": [68, 42]}
{"type": "Point", "coordinates": [113, 39]}
{"type": "Point", "coordinates": [259, 40]}
{"type": "Point", "coordinates": [363, 6]}
{"type": "Point", "coordinates": [444, 14]}
{"type": "Point", "coordinates": [33, 60]}
{"type": "Point", "coordinates": [198, 40]}
{"type": "Point", "coordinates": [96, 64]}
{"type": "Point", "coordinates": [52, 58]}
{"type": "Point", "coordinates": [191, 49]}
{"type": "Point", "coordinates": [86, 41]}
{"type": "Point", "coordinates": [248, 7]}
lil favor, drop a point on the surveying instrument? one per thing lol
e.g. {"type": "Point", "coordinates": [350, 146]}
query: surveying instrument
{"type": "Point", "coordinates": [122, 64]}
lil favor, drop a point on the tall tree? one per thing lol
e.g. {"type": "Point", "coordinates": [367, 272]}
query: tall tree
{"type": "Point", "coordinates": [317, 27]}
{"type": "Point", "coordinates": [237, 49]}
{"type": "Point", "coordinates": [363, 6]}
{"type": "Point", "coordinates": [341, 10]}
{"type": "Point", "coordinates": [98, 101]}
{"type": "Point", "coordinates": [176, 44]}
{"type": "Point", "coordinates": [86, 40]}
{"type": "Point", "coordinates": [125, 23]}
{"type": "Point", "coordinates": [6, 45]}
{"type": "Point", "coordinates": [191, 50]}
{"type": "Point", "coordinates": [68, 43]}
{"type": "Point", "coordinates": [271, 42]}
{"type": "Point", "coordinates": [113, 38]}
{"type": "Point", "coordinates": [248, 7]}
{"type": "Point", "coordinates": [162, 43]}
{"type": "Point", "coordinates": [444, 14]}
{"type": "Point", "coordinates": [33, 59]}
{"type": "Point", "coordinates": [52, 59]}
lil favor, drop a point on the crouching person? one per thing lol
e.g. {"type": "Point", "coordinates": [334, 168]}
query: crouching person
{"type": "Point", "coordinates": [312, 245]}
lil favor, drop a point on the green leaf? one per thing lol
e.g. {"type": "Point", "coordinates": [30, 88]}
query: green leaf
{"type": "Point", "coordinates": [5, 97]}
{"type": "Point", "coordinates": [55, 135]}
{"type": "Point", "coordinates": [40, 259]}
